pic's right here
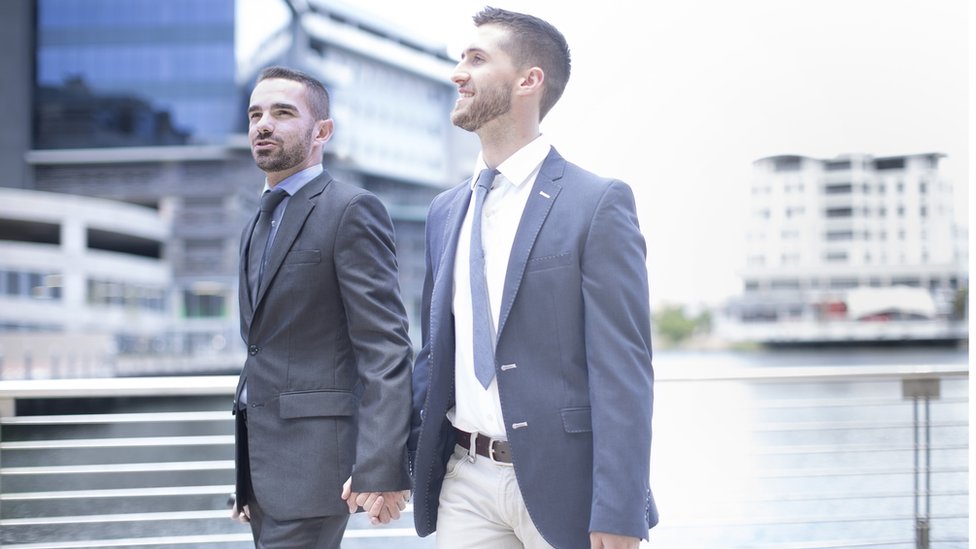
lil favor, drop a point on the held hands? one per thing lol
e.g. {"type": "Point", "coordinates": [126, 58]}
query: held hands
{"type": "Point", "coordinates": [382, 507]}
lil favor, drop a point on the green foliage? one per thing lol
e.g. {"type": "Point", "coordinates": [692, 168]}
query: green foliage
{"type": "Point", "coordinates": [676, 326]}
{"type": "Point", "coordinates": [960, 303]}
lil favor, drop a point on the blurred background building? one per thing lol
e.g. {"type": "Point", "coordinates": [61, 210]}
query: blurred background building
{"type": "Point", "coordinates": [855, 248]}
{"type": "Point", "coordinates": [140, 104]}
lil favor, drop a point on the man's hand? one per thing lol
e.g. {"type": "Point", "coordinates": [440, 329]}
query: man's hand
{"type": "Point", "coordinates": [602, 540]}
{"type": "Point", "coordinates": [382, 507]}
{"type": "Point", "coordinates": [241, 515]}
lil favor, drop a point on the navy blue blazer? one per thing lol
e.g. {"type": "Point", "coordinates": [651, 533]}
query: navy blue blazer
{"type": "Point", "coordinates": [575, 323]}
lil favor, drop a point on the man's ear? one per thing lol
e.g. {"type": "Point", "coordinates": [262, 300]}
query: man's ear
{"type": "Point", "coordinates": [531, 81]}
{"type": "Point", "coordinates": [325, 129]}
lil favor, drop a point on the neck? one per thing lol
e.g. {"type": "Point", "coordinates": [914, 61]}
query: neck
{"type": "Point", "coordinates": [499, 142]}
{"type": "Point", "coordinates": [277, 177]}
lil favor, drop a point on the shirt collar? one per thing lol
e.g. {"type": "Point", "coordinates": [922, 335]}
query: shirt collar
{"type": "Point", "coordinates": [294, 182]}
{"type": "Point", "coordinates": [518, 167]}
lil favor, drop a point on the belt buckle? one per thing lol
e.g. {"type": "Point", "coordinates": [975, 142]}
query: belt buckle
{"type": "Point", "coordinates": [491, 454]}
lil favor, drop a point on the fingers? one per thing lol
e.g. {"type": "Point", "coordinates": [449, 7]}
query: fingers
{"type": "Point", "coordinates": [243, 516]}
{"type": "Point", "coordinates": [349, 496]}
{"type": "Point", "coordinates": [381, 507]}
{"type": "Point", "coordinates": [378, 511]}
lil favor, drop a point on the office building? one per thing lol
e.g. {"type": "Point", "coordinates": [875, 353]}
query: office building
{"type": "Point", "coordinates": [855, 238]}
{"type": "Point", "coordinates": [140, 102]}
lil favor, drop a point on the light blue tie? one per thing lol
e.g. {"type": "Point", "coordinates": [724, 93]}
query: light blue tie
{"type": "Point", "coordinates": [484, 346]}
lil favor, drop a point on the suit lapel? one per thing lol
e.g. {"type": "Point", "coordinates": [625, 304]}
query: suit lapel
{"type": "Point", "coordinates": [544, 193]}
{"type": "Point", "coordinates": [442, 292]}
{"type": "Point", "coordinates": [244, 282]}
{"type": "Point", "coordinates": [299, 207]}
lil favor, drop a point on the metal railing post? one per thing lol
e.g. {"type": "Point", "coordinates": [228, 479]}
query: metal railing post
{"type": "Point", "coordinates": [923, 390]}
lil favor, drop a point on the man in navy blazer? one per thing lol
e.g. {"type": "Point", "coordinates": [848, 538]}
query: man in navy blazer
{"type": "Point", "coordinates": [550, 447]}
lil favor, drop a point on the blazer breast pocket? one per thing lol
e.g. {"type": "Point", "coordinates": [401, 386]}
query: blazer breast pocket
{"type": "Point", "coordinates": [552, 261]}
{"type": "Point", "coordinates": [303, 257]}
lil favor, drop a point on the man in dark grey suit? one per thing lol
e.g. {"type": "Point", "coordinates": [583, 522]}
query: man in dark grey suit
{"type": "Point", "coordinates": [325, 392]}
{"type": "Point", "coordinates": [533, 388]}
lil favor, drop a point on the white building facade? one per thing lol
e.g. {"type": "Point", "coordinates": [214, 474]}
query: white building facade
{"type": "Point", "coordinates": [822, 232]}
{"type": "Point", "coordinates": [79, 269]}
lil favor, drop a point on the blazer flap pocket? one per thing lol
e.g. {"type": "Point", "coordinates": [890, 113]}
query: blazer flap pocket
{"type": "Point", "coordinates": [577, 420]}
{"type": "Point", "coordinates": [317, 404]}
{"type": "Point", "coordinates": [303, 256]}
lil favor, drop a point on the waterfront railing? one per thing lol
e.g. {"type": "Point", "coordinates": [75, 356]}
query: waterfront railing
{"type": "Point", "coordinates": [785, 458]}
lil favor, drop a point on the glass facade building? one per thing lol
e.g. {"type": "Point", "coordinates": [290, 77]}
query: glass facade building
{"type": "Point", "coordinates": [117, 73]}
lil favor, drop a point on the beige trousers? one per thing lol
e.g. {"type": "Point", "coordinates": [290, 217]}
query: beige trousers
{"type": "Point", "coordinates": [481, 506]}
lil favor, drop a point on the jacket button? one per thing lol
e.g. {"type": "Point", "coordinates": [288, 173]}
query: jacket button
{"type": "Point", "coordinates": [253, 350]}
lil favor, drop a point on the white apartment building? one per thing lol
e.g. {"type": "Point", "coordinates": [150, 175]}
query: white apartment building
{"type": "Point", "coordinates": [824, 233]}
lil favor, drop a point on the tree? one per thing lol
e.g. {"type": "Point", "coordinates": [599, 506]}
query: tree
{"type": "Point", "coordinates": [673, 324]}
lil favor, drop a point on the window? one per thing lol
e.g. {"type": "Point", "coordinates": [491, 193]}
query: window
{"type": "Point", "coordinates": [204, 304]}
{"type": "Point", "coordinates": [838, 188]}
{"type": "Point", "coordinates": [840, 235]}
{"type": "Point", "coordinates": [843, 283]}
{"type": "Point", "coordinates": [835, 257]}
{"type": "Point", "coordinates": [31, 285]}
{"type": "Point", "coordinates": [839, 212]}
{"type": "Point", "coordinates": [889, 163]}
{"type": "Point", "coordinates": [785, 284]}
{"type": "Point", "coordinates": [122, 294]}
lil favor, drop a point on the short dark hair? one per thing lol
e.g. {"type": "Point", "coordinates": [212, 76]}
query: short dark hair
{"type": "Point", "coordinates": [534, 43]}
{"type": "Point", "coordinates": [315, 92]}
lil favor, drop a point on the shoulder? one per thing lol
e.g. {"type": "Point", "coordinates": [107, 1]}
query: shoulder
{"type": "Point", "coordinates": [582, 183]}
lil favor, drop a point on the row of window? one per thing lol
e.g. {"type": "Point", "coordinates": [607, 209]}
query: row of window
{"type": "Point", "coordinates": [847, 283]}
{"type": "Point", "coordinates": [835, 256]}
{"type": "Point", "coordinates": [842, 188]}
{"type": "Point", "coordinates": [128, 295]}
{"type": "Point", "coordinates": [48, 286]}
{"type": "Point", "coordinates": [30, 284]}
{"type": "Point", "coordinates": [142, 13]}
{"type": "Point", "coordinates": [846, 212]}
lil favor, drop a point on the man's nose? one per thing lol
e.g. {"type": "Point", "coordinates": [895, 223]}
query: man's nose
{"type": "Point", "coordinates": [459, 76]}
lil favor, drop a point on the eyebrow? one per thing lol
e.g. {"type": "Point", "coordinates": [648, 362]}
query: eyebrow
{"type": "Point", "coordinates": [468, 51]}
{"type": "Point", "coordinates": [287, 106]}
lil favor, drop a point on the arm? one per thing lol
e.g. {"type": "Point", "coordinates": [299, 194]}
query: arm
{"type": "Point", "coordinates": [618, 352]}
{"type": "Point", "coordinates": [421, 369]}
{"type": "Point", "coordinates": [367, 272]}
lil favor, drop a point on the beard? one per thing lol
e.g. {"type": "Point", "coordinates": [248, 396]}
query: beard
{"type": "Point", "coordinates": [483, 108]}
{"type": "Point", "coordinates": [287, 156]}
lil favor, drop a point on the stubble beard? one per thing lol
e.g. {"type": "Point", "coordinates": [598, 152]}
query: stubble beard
{"type": "Point", "coordinates": [285, 157]}
{"type": "Point", "coordinates": [485, 107]}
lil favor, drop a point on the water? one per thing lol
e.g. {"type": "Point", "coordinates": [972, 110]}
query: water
{"type": "Point", "coordinates": [735, 463]}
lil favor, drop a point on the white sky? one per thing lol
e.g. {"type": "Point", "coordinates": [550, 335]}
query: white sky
{"type": "Point", "coordinates": [677, 98]}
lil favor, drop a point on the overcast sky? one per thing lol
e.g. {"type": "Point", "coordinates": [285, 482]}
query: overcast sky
{"type": "Point", "coordinates": [677, 98]}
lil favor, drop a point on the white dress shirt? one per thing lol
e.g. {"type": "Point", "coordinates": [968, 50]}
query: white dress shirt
{"type": "Point", "coordinates": [478, 410]}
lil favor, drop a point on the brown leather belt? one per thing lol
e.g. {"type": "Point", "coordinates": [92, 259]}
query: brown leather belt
{"type": "Point", "coordinates": [494, 449]}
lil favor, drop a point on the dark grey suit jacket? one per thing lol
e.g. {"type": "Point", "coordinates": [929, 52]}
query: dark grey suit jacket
{"type": "Point", "coordinates": [575, 323]}
{"type": "Point", "coordinates": [328, 365]}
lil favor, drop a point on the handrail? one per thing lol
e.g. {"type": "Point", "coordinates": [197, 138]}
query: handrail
{"type": "Point", "coordinates": [225, 384]}
{"type": "Point", "coordinates": [674, 376]}
{"type": "Point", "coordinates": [118, 387]}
